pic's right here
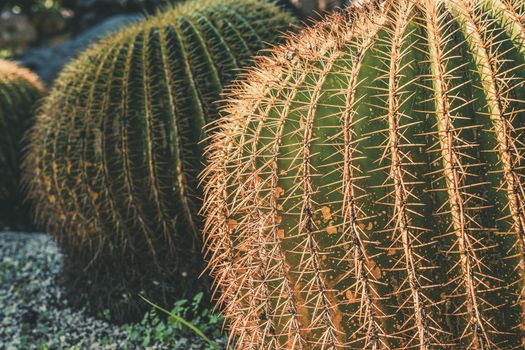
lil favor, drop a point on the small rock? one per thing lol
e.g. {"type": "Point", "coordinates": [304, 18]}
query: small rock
{"type": "Point", "coordinates": [47, 62]}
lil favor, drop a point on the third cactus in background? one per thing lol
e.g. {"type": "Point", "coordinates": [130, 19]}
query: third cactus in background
{"type": "Point", "coordinates": [20, 91]}
{"type": "Point", "coordinates": [366, 187]}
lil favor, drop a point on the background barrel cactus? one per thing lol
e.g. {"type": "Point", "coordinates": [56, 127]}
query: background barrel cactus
{"type": "Point", "coordinates": [366, 191]}
{"type": "Point", "coordinates": [19, 91]}
{"type": "Point", "coordinates": [115, 154]}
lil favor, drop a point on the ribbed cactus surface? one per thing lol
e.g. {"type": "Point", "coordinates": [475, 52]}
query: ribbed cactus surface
{"type": "Point", "coordinates": [19, 91]}
{"type": "Point", "coordinates": [366, 187]}
{"type": "Point", "coordinates": [115, 155]}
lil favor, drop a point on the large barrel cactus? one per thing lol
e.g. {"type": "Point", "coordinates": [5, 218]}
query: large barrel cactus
{"type": "Point", "coordinates": [366, 187]}
{"type": "Point", "coordinates": [19, 91]}
{"type": "Point", "coordinates": [115, 155]}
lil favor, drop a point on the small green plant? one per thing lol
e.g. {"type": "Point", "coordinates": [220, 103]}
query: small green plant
{"type": "Point", "coordinates": [5, 53]}
{"type": "Point", "coordinates": [181, 311]}
{"type": "Point", "coordinates": [186, 317]}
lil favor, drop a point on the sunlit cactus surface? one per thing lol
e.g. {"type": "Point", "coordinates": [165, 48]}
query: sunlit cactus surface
{"type": "Point", "coordinates": [365, 189]}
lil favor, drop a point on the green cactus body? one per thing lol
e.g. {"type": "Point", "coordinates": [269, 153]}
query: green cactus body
{"type": "Point", "coordinates": [19, 91]}
{"type": "Point", "coordinates": [365, 190]}
{"type": "Point", "coordinates": [117, 147]}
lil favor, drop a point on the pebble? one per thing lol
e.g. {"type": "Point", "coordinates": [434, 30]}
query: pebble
{"type": "Point", "coordinates": [35, 314]}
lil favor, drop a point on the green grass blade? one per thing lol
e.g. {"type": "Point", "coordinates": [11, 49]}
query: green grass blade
{"type": "Point", "coordinates": [184, 322]}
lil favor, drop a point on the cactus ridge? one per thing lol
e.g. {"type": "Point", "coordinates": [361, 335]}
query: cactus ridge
{"type": "Point", "coordinates": [365, 188]}
{"type": "Point", "coordinates": [117, 146]}
{"type": "Point", "coordinates": [20, 89]}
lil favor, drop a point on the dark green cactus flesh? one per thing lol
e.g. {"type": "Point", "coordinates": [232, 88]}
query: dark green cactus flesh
{"type": "Point", "coordinates": [115, 155]}
{"type": "Point", "coordinates": [366, 187]}
{"type": "Point", "coordinates": [19, 91]}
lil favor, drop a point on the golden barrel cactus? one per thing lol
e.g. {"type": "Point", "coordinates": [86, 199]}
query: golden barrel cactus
{"type": "Point", "coordinates": [116, 151]}
{"type": "Point", "coordinates": [366, 186]}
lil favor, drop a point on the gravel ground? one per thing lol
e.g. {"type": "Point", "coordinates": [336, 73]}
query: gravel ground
{"type": "Point", "coordinates": [34, 313]}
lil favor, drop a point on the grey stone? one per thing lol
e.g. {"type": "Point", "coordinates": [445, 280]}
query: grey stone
{"type": "Point", "coordinates": [47, 62]}
{"type": "Point", "coordinates": [40, 313]}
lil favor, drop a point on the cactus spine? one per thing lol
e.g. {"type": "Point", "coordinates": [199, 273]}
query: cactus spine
{"type": "Point", "coordinates": [365, 188]}
{"type": "Point", "coordinates": [116, 149]}
{"type": "Point", "coordinates": [19, 91]}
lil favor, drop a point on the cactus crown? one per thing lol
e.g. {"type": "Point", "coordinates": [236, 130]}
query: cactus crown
{"type": "Point", "coordinates": [19, 91]}
{"type": "Point", "coordinates": [366, 187]}
{"type": "Point", "coordinates": [12, 73]}
{"type": "Point", "coordinates": [117, 146]}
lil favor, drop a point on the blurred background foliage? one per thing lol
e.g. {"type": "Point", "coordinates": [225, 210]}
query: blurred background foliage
{"type": "Point", "coordinates": [29, 7]}
{"type": "Point", "coordinates": [29, 23]}
{"type": "Point", "coordinates": [26, 24]}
